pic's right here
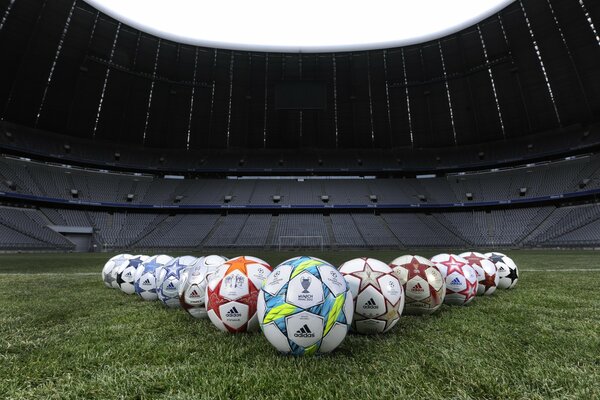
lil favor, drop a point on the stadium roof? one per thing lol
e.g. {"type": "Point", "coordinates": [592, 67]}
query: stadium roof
{"type": "Point", "coordinates": [307, 26]}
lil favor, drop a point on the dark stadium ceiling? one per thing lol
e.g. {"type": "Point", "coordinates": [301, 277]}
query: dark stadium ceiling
{"type": "Point", "coordinates": [307, 26]}
{"type": "Point", "coordinates": [530, 68]}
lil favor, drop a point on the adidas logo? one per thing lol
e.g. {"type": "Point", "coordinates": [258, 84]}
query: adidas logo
{"type": "Point", "coordinates": [128, 275]}
{"type": "Point", "coordinates": [194, 294]}
{"type": "Point", "coordinates": [371, 304]}
{"type": "Point", "coordinates": [417, 288]}
{"type": "Point", "coordinates": [170, 286]}
{"type": "Point", "coordinates": [455, 281]}
{"type": "Point", "coordinates": [304, 332]}
{"type": "Point", "coordinates": [146, 282]}
{"type": "Point", "coordinates": [233, 313]}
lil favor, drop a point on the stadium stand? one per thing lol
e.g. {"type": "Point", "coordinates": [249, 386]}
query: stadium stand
{"type": "Point", "coordinates": [495, 144]}
{"type": "Point", "coordinates": [28, 229]}
{"type": "Point", "coordinates": [535, 225]}
{"type": "Point", "coordinates": [543, 179]}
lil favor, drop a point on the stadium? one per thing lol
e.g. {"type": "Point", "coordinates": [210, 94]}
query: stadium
{"type": "Point", "coordinates": [474, 136]}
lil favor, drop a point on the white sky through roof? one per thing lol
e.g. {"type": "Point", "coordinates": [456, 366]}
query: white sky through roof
{"type": "Point", "coordinates": [300, 26]}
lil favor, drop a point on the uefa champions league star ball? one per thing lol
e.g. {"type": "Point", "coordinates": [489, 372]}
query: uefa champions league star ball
{"type": "Point", "coordinates": [487, 274]}
{"type": "Point", "coordinates": [107, 276]}
{"type": "Point", "coordinates": [377, 292]}
{"type": "Point", "coordinates": [169, 280]}
{"type": "Point", "coordinates": [145, 280]}
{"type": "Point", "coordinates": [305, 307]}
{"type": "Point", "coordinates": [508, 272]}
{"type": "Point", "coordinates": [424, 285]}
{"type": "Point", "coordinates": [461, 278]}
{"type": "Point", "coordinates": [232, 293]}
{"type": "Point", "coordinates": [126, 273]}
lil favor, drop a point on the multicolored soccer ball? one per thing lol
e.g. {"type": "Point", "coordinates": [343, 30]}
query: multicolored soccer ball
{"type": "Point", "coordinates": [145, 279]}
{"type": "Point", "coordinates": [169, 279]}
{"type": "Point", "coordinates": [508, 272]}
{"type": "Point", "coordinates": [126, 273]}
{"type": "Point", "coordinates": [107, 277]}
{"type": "Point", "coordinates": [232, 293]}
{"type": "Point", "coordinates": [424, 286]}
{"type": "Point", "coordinates": [487, 274]}
{"type": "Point", "coordinates": [305, 307]}
{"type": "Point", "coordinates": [377, 292]}
{"type": "Point", "coordinates": [461, 278]}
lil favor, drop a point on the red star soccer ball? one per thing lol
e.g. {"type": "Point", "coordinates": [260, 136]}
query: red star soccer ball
{"type": "Point", "coordinates": [424, 286]}
{"type": "Point", "coordinates": [487, 274]}
{"type": "Point", "coordinates": [232, 293]}
{"type": "Point", "coordinates": [377, 293]}
{"type": "Point", "coordinates": [461, 278]}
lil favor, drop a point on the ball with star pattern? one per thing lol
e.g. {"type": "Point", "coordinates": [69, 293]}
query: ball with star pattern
{"type": "Point", "coordinates": [169, 279]}
{"type": "Point", "coordinates": [487, 273]}
{"type": "Point", "coordinates": [508, 272]}
{"type": "Point", "coordinates": [232, 294]}
{"type": "Point", "coordinates": [461, 278]}
{"type": "Point", "coordinates": [377, 292]}
{"type": "Point", "coordinates": [126, 273]}
{"type": "Point", "coordinates": [424, 286]}
{"type": "Point", "coordinates": [146, 274]}
{"type": "Point", "coordinates": [114, 262]}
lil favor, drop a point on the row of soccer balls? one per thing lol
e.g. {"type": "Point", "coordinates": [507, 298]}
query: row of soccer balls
{"type": "Point", "coordinates": [305, 305]}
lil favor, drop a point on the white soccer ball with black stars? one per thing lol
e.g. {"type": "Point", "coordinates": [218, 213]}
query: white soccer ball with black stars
{"type": "Point", "coordinates": [126, 273]}
{"type": "Point", "coordinates": [108, 277]}
{"type": "Point", "coordinates": [508, 272]}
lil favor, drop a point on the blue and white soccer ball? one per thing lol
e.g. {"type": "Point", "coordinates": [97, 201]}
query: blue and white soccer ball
{"type": "Point", "coordinates": [169, 279]}
{"type": "Point", "coordinates": [145, 280]}
{"type": "Point", "coordinates": [305, 307]}
{"type": "Point", "coordinates": [126, 273]}
{"type": "Point", "coordinates": [108, 274]}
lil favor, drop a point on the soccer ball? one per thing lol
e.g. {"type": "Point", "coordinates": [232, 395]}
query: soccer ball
{"type": "Point", "coordinates": [212, 262]}
{"type": "Point", "coordinates": [424, 285]}
{"type": "Point", "coordinates": [145, 279]}
{"type": "Point", "coordinates": [169, 280]}
{"type": "Point", "coordinates": [192, 290]}
{"type": "Point", "coordinates": [232, 293]}
{"type": "Point", "coordinates": [461, 278]}
{"type": "Point", "coordinates": [508, 272]}
{"type": "Point", "coordinates": [486, 271]}
{"type": "Point", "coordinates": [126, 273]}
{"type": "Point", "coordinates": [112, 263]}
{"type": "Point", "coordinates": [377, 292]}
{"type": "Point", "coordinates": [305, 307]}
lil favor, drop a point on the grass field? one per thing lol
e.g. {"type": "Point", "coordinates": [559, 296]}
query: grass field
{"type": "Point", "coordinates": [64, 335]}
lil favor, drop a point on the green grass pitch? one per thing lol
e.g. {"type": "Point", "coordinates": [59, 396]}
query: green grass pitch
{"type": "Point", "coordinates": [64, 335]}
